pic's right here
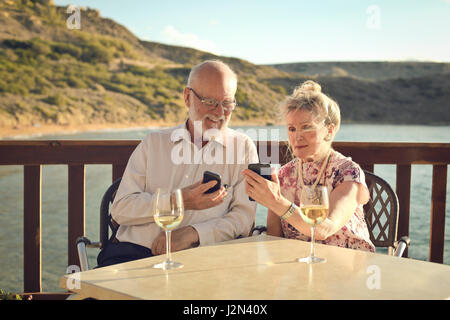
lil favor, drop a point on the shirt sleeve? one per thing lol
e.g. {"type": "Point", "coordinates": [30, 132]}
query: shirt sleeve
{"type": "Point", "coordinates": [287, 176]}
{"type": "Point", "coordinates": [132, 205]}
{"type": "Point", "coordinates": [240, 217]}
{"type": "Point", "coordinates": [348, 170]}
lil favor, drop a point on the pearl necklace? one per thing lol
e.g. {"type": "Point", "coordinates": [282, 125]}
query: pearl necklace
{"type": "Point", "coordinates": [322, 169]}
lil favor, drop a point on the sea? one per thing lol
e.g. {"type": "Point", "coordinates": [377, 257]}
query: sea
{"type": "Point", "coordinates": [98, 178]}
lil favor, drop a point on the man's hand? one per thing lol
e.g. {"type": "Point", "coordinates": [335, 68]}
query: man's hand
{"type": "Point", "coordinates": [183, 238]}
{"type": "Point", "coordinates": [195, 198]}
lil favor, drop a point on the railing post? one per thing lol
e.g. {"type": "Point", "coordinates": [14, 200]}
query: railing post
{"type": "Point", "coordinates": [403, 190]}
{"type": "Point", "coordinates": [437, 221]}
{"type": "Point", "coordinates": [32, 236]}
{"type": "Point", "coordinates": [117, 171]}
{"type": "Point", "coordinates": [367, 167]}
{"type": "Point", "coordinates": [76, 210]}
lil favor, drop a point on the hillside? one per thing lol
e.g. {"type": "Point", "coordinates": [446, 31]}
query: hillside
{"type": "Point", "coordinates": [421, 100]}
{"type": "Point", "coordinates": [104, 76]}
{"type": "Point", "coordinates": [372, 70]}
{"type": "Point", "coordinates": [380, 92]}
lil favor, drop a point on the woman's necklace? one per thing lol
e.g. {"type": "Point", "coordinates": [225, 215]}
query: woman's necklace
{"type": "Point", "coordinates": [322, 169]}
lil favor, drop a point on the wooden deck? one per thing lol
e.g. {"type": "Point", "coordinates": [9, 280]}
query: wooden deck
{"type": "Point", "coordinates": [77, 154]}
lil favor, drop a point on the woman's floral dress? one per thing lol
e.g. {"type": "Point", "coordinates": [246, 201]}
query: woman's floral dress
{"type": "Point", "coordinates": [354, 234]}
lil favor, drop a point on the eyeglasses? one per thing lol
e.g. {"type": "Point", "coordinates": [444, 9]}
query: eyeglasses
{"type": "Point", "coordinates": [305, 128]}
{"type": "Point", "coordinates": [212, 103]}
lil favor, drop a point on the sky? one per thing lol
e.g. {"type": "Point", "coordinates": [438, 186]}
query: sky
{"type": "Point", "coordinates": [282, 31]}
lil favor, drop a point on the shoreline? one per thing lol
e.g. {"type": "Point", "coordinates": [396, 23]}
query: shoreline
{"type": "Point", "coordinates": [33, 132]}
{"type": "Point", "coordinates": [29, 132]}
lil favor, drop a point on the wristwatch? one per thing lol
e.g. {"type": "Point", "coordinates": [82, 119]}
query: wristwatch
{"type": "Point", "coordinates": [292, 209]}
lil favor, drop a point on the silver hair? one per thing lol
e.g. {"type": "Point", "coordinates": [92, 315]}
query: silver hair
{"type": "Point", "coordinates": [309, 96]}
{"type": "Point", "coordinates": [216, 63]}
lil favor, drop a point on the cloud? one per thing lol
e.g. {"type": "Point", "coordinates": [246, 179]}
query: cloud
{"type": "Point", "coordinates": [176, 37]}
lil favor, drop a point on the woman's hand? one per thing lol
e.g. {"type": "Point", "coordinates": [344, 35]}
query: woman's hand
{"type": "Point", "coordinates": [265, 192]}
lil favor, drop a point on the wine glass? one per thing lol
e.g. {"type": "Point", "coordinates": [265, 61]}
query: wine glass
{"type": "Point", "coordinates": [313, 210]}
{"type": "Point", "coordinates": [168, 213]}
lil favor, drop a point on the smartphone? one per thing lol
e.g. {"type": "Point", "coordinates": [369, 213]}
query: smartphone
{"type": "Point", "coordinates": [208, 176]}
{"type": "Point", "coordinates": [263, 169]}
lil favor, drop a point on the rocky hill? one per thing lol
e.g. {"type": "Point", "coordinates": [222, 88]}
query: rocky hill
{"type": "Point", "coordinates": [370, 70]}
{"type": "Point", "coordinates": [102, 74]}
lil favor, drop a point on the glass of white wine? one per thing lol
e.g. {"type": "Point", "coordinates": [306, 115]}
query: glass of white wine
{"type": "Point", "coordinates": [313, 210]}
{"type": "Point", "coordinates": [168, 213]}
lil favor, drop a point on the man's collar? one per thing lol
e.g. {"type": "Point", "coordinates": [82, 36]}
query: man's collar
{"type": "Point", "coordinates": [181, 132]}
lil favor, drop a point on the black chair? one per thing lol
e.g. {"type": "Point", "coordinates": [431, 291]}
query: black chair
{"type": "Point", "coordinates": [381, 214]}
{"type": "Point", "coordinates": [106, 224]}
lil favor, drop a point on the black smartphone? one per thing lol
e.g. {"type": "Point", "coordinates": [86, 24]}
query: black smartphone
{"type": "Point", "coordinates": [208, 176]}
{"type": "Point", "coordinates": [263, 169]}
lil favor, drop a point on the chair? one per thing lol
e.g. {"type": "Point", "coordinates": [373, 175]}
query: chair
{"type": "Point", "coordinates": [381, 215]}
{"type": "Point", "coordinates": [105, 222]}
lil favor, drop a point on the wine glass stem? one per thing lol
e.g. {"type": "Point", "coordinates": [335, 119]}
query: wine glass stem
{"type": "Point", "coordinates": [312, 242]}
{"type": "Point", "coordinates": [168, 240]}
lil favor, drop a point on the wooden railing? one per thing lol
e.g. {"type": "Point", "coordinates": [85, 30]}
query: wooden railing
{"type": "Point", "coordinates": [76, 154]}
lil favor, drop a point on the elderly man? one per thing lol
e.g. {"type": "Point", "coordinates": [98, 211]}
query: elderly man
{"type": "Point", "coordinates": [177, 158]}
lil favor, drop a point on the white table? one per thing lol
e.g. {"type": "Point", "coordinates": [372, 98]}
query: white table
{"type": "Point", "coordinates": [265, 268]}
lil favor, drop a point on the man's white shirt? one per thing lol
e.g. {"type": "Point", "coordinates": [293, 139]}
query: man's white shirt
{"type": "Point", "coordinates": [167, 158]}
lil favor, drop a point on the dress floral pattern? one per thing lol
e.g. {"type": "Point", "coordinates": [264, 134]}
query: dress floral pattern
{"type": "Point", "coordinates": [354, 234]}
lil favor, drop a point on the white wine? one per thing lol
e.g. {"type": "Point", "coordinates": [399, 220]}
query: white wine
{"type": "Point", "coordinates": [168, 212]}
{"type": "Point", "coordinates": [168, 222]}
{"type": "Point", "coordinates": [314, 214]}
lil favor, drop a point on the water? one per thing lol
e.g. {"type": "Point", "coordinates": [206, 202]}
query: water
{"type": "Point", "coordinates": [98, 178]}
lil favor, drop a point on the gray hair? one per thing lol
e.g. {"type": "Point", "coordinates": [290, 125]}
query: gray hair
{"type": "Point", "coordinates": [216, 64]}
{"type": "Point", "coordinates": [309, 96]}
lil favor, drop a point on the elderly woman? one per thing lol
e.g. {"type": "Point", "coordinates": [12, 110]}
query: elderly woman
{"type": "Point", "coordinates": [312, 121]}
